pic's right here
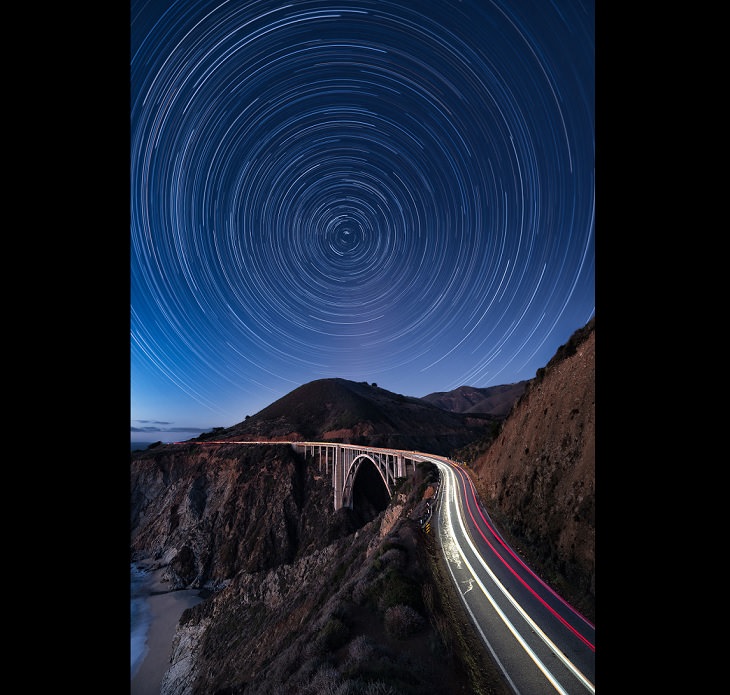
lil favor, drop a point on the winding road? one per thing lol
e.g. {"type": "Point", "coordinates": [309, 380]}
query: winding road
{"type": "Point", "coordinates": [540, 642]}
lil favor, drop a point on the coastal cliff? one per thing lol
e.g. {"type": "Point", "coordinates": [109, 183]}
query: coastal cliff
{"type": "Point", "coordinates": [299, 598]}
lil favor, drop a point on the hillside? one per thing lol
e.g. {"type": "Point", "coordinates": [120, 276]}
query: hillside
{"type": "Point", "coordinates": [537, 478]}
{"type": "Point", "coordinates": [491, 400]}
{"type": "Point", "coordinates": [352, 412]}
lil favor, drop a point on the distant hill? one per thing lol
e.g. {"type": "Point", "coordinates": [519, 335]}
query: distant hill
{"type": "Point", "coordinates": [493, 400]}
{"type": "Point", "coordinates": [359, 413]}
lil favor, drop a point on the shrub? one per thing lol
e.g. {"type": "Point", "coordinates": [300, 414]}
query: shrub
{"type": "Point", "coordinates": [361, 650]}
{"type": "Point", "coordinates": [360, 591]}
{"type": "Point", "coordinates": [394, 558]}
{"type": "Point", "coordinates": [334, 634]}
{"type": "Point", "coordinates": [379, 688]}
{"type": "Point", "coordinates": [429, 598]}
{"type": "Point", "coordinates": [398, 589]}
{"type": "Point", "coordinates": [325, 681]}
{"type": "Point", "coordinates": [403, 621]}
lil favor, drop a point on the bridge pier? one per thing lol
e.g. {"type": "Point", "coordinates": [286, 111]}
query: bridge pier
{"type": "Point", "coordinates": [338, 477]}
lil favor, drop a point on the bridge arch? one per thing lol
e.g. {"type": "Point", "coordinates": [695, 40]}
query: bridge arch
{"type": "Point", "coordinates": [359, 467]}
{"type": "Point", "coordinates": [344, 461]}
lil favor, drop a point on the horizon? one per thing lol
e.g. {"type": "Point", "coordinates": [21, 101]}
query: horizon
{"type": "Point", "coordinates": [150, 436]}
{"type": "Point", "coordinates": [392, 194]}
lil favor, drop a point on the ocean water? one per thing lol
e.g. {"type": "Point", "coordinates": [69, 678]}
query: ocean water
{"type": "Point", "coordinates": [140, 616]}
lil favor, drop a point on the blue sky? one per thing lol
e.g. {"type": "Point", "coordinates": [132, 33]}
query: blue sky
{"type": "Point", "coordinates": [391, 192]}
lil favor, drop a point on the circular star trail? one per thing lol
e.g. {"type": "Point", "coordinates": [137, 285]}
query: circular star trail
{"type": "Point", "coordinates": [395, 192]}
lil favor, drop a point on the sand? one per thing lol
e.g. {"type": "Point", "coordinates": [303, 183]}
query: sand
{"type": "Point", "coordinates": [166, 609]}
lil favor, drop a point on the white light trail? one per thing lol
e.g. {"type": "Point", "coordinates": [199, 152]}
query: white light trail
{"type": "Point", "coordinates": [451, 494]}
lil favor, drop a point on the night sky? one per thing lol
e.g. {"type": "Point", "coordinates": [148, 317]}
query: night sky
{"type": "Point", "coordinates": [393, 192]}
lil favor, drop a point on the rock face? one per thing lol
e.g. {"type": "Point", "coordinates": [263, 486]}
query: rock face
{"type": "Point", "coordinates": [209, 512]}
{"type": "Point", "coordinates": [537, 479]}
{"type": "Point", "coordinates": [302, 599]}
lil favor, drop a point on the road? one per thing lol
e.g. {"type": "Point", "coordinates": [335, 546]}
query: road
{"type": "Point", "coordinates": [541, 643]}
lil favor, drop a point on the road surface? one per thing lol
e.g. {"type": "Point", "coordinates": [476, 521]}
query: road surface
{"type": "Point", "coordinates": [541, 643]}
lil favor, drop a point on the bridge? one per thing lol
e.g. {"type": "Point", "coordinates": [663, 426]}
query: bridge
{"type": "Point", "coordinates": [343, 462]}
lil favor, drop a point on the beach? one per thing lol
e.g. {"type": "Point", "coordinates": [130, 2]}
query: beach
{"type": "Point", "coordinates": [163, 611]}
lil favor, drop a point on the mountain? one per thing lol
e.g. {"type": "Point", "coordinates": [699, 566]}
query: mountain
{"type": "Point", "coordinates": [492, 400]}
{"type": "Point", "coordinates": [537, 478]}
{"type": "Point", "coordinates": [350, 412]}
{"type": "Point", "coordinates": [305, 599]}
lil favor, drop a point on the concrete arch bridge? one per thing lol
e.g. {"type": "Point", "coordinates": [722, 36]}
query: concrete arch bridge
{"type": "Point", "coordinates": [352, 467]}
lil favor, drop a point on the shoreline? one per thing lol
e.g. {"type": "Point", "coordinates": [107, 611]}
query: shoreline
{"type": "Point", "coordinates": [166, 607]}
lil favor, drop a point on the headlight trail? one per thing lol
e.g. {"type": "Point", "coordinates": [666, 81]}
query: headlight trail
{"type": "Point", "coordinates": [451, 542]}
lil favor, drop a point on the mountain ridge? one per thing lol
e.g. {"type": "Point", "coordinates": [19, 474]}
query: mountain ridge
{"type": "Point", "coordinates": [492, 400]}
{"type": "Point", "coordinates": [344, 411]}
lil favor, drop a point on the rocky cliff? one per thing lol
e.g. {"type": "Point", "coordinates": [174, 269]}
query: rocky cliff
{"type": "Point", "coordinates": [211, 511]}
{"type": "Point", "coordinates": [300, 598]}
{"type": "Point", "coordinates": [537, 478]}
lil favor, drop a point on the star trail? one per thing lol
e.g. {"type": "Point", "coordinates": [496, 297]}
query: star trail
{"type": "Point", "coordinates": [393, 192]}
